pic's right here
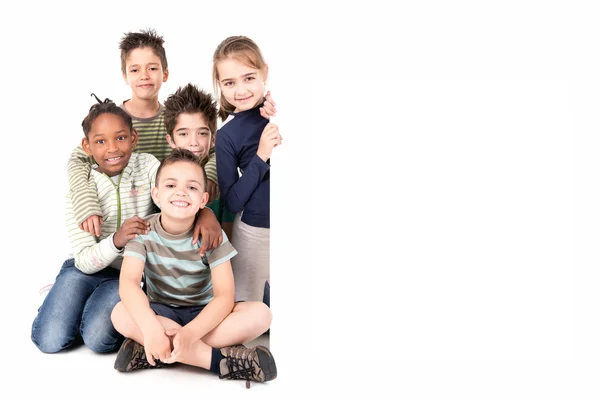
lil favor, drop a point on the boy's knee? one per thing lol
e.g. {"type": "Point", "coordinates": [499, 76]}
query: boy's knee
{"type": "Point", "coordinates": [102, 342]}
{"type": "Point", "coordinates": [263, 316]}
{"type": "Point", "coordinates": [100, 337]}
{"type": "Point", "coordinates": [114, 314]}
{"type": "Point", "coordinates": [52, 339]}
{"type": "Point", "coordinates": [117, 313]}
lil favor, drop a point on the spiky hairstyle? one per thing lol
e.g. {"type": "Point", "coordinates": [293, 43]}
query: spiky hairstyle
{"type": "Point", "coordinates": [190, 100]}
{"type": "Point", "coordinates": [144, 38]}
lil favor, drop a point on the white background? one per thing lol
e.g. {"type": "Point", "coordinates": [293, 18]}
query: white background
{"type": "Point", "coordinates": [435, 204]}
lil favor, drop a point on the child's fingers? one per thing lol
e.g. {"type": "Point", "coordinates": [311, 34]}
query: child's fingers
{"type": "Point", "coordinates": [135, 218]}
{"type": "Point", "coordinates": [203, 248]}
{"type": "Point", "coordinates": [136, 226]}
{"type": "Point", "coordinates": [263, 113]}
{"type": "Point", "coordinates": [175, 357]}
{"type": "Point", "coordinates": [150, 358]}
{"type": "Point", "coordinates": [96, 223]}
{"type": "Point", "coordinates": [270, 98]}
{"type": "Point", "coordinates": [218, 241]}
{"type": "Point", "coordinates": [165, 355]}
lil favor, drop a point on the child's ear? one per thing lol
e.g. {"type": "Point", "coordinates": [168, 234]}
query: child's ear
{"type": "Point", "coordinates": [85, 144]}
{"type": "Point", "coordinates": [170, 141]}
{"type": "Point", "coordinates": [155, 195]}
{"type": "Point", "coordinates": [134, 138]}
{"type": "Point", "coordinates": [265, 74]}
{"type": "Point", "coordinates": [166, 75]}
{"type": "Point", "coordinates": [204, 199]}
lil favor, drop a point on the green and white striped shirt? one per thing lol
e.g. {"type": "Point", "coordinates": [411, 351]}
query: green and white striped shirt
{"type": "Point", "coordinates": [152, 139]}
{"type": "Point", "coordinates": [130, 196]}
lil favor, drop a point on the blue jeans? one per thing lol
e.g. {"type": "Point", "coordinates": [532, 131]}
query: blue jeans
{"type": "Point", "coordinates": [78, 307]}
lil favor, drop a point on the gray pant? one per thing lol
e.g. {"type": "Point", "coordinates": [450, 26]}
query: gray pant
{"type": "Point", "coordinates": [251, 265]}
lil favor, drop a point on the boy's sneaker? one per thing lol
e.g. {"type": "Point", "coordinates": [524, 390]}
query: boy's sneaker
{"type": "Point", "coordinates": [255, 364]}
{"type": "Point", "coordinates": [132, 356]}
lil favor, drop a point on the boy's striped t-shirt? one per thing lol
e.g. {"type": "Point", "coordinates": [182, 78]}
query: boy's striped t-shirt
{"type": "Point", "coordinates": [152, 133]}
{"type": "Point", "coordinates": [176, 275]}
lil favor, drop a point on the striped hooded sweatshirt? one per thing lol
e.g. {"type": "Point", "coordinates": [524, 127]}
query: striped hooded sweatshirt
{"type": "Point", "coordinates": [120, 198]}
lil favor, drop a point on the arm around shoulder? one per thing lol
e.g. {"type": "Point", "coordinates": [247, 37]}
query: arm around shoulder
{"type": "Point", "coordinates": [82, 186]}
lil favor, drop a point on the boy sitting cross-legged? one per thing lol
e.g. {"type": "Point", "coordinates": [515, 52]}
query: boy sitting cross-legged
{"type": "Point", "coordinates": [188, 314]}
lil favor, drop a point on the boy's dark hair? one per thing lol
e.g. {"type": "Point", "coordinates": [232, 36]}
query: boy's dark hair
{"type": "Point", "coordinates": [138, 40]}
{"type": "Point", "coordinates": [190, 100]}
{"type": "Point", "coordinates": [183, 155]}
{"type": "Point", "coordinates": [103, 107]}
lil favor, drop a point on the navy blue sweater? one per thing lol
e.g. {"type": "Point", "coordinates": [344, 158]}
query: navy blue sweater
{"type": "Point", "coordinates": [236, 146]}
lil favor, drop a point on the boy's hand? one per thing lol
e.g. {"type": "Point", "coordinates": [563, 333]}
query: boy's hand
{"type": "Point", "coordinates": [92, 225]}
{"type": "Point", "coordinates": [129, 230]}
{"type": "Point", "coordinates": [182, 339]}
{"type": "Point", "coordinates": [213, 191]}
{"type": "Point", "coordinates": [268, 108]}
{"type": "Point", "coordinates": [157, 346]}
{"type": "Point", "coordinates": [269, 139]}
{"type": "Point", "coordinates": [208, 227]}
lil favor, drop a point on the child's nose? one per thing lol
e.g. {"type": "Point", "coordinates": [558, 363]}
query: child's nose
{"type": "Point", "coordinates": [112, 146]}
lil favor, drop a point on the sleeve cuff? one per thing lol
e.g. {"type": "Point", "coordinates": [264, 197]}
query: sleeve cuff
{"type": "Point", "coordinates": [112, 244]}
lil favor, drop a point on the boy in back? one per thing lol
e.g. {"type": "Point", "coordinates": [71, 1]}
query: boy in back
{"type": "Point", "coordinates": [188, 314]}
{"type": "Point", "coordinates": [191, 122]}
{"type": "Point", "coordinates": [144, 67]}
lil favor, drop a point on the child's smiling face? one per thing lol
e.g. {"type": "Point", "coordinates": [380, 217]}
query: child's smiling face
{"type": "Point", "coordinates": [180, 190]}
{"type": "Point", "coordinates": [110, 142]}
{"type": "Point", "coordinates": [192, 133]}
{"type": "Point", "coordinates": [242, 86]}
{"type": "Point", "coordinates": [144, 73]}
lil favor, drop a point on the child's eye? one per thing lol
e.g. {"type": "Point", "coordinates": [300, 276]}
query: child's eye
{"type": "Point", "coordinates": [133, 70]}
{"type": "Point", "coordinates": [121, 138]}
{"type": "Point", "coordinates": [153, 69]}
{"type": "Point", "coordinates": [250, 78]}
{"type": "Point", "coordinates": [169, 185]}
{"type": "Point", "coordinates": [192, 188]}
{"type": "Point", "coordinates": [204, 133]}
{"type": "Point", "coordinates": [101, 141]}
{"type": "Point", "coordinates": [182, 134]}
{"type": "Point", "coordinates": [228, 83]}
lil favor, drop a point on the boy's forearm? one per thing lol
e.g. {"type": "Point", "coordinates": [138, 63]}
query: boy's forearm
{"type": "Point", "coordinates": [210, 317]}
{"type": "Point", "coordinates": [82, 187]}
{"type": "Point", "coordinates": [137, 305]}
{"type": "Point", "coordinates": [91, 257]}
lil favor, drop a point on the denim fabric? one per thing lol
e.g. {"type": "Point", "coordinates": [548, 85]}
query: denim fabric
{"type": "Point", "coordinates": [78, 306]}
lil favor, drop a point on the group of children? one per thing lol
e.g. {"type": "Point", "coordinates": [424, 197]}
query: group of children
{"type": "Point", "coordinates": [153, 272]}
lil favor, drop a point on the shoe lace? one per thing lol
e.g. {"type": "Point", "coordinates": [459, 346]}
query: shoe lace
{"type": "Point", "coordinates": [140, 361]}
{"type": "Point", "coordinates": [240, 365]}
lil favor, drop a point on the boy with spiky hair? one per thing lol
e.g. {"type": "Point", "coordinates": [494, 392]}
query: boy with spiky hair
{"type": "Point", "coordinates": [191, 122]}
{"type": "Point", "coordinates": [144, 67]}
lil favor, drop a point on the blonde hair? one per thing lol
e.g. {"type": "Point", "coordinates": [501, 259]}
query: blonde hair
{"type": "Point", "coordinates": [239, 48]}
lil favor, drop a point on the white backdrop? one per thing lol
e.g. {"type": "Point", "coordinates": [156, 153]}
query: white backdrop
{"type": "Point", "coordinates": [434, 205]}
